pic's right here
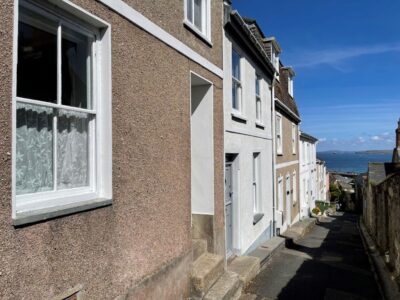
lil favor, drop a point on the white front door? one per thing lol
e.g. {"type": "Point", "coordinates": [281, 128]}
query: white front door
{"type": "Point", "coordinates": [288, 201]}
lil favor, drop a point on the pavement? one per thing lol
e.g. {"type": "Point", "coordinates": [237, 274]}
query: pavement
{"type": "Point", "coordinates": [327, 263]}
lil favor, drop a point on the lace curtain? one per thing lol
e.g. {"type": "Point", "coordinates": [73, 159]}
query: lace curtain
{"type": "Point", "coordinates": [34, 160]}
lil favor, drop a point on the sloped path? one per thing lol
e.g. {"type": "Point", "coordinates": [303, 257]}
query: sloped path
{"type": "Point", "coordinates": [328, 263]}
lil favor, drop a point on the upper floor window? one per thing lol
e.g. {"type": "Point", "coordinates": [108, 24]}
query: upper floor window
{"type": "Point", "coordinates": [197, 16]}
{"type": "Point", "coordinates": [258, 100]}
{"type": "Point", "coordinates": [275, 59]}
{"type": "Point", "coordinates": [278, 129]}
{"type": "Point", "coordinates": [290, 86]}
{"type": "Point", "coordinates": [236, 81]}
{"type": "Point", "coordinates": [58, 120]}
{"type": "Point", "coordinates": [294, 138]}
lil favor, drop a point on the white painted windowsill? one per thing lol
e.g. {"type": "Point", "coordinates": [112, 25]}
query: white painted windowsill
{"type": "Point", "coordinates": [37, 215]}
{"type": "Point", "coordinates": [260, 125]}
{"type": "Point", "coordinates": [196, 31]}
{"type": "Point", "coordinates": [239, 116]}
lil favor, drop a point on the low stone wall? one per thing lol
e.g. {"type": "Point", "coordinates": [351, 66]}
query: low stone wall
{"type": "Point", "coordinates": [385, 224]}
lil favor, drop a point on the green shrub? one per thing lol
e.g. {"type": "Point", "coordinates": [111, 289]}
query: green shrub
{"type": "Point", "coordinates": [322, 205]}
{"type": "Point", "coordinates": [335, 192]}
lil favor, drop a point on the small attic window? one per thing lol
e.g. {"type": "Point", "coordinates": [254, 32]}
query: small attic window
{"type": "Point", "coordinates": [290, 85]}
{"type": "Point", "coordinates": [275, 58]}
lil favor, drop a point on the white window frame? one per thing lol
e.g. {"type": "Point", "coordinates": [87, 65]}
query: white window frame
{"type": "Point", "coordinates": [239, 89]}
{"type": "Point", "coordinates": [278, 134]}
{"type": "Point", "coordinates": [294, 186]}
{"type": "Point", "coordinates": [290, 86]}
{"type": "Point", "coordinates": [30, 208]}
{"type": "Point", "coordinates": [256, 182]}
{"type": "Point", "coordinates": [205, 31]}
{"type": "Point", "coordinates": [259, 114]}
{"type": "Point", "coordinates": [294, 144]}
{"type": "Point", "coordinates": [280, 193]}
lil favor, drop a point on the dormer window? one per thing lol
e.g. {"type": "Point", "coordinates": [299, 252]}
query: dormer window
{"type": "Point", "coordinates": [275, 59]}
{"type": "Point", "coordinates": [290, 86]}
{"type": "Point", "coordinates": [197, 17]}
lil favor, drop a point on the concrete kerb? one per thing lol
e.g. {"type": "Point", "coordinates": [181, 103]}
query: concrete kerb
{"type": "Point", "coordinates": [388, 287]}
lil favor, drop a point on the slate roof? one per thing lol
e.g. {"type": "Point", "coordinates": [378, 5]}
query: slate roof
{"type": "Point", "coordinates": [282, 93]}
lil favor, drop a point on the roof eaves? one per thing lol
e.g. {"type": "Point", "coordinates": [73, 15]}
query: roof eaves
{"type": "Point", "coordinates": [290, 70]}
{"type": "Point", "coordinates": [287, 109]}
{"type": "Point", "coordinates": [256, 43]}
{"type": "Point", "coordinates": [274, 42]}
{"type": "Point", "coordinates": [308, 136]}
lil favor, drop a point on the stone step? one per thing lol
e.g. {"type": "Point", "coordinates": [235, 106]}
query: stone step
{"type": "Point", "coordinates": [227, 287]}
{"type": "Point", "coordinates": [199, 247]}
{"type": "Point", "coordinates": [268, 249]}
{"type": "Point", "coordinates": [247, 267]}
{"type": "Point", "coordinates": [205, 272]}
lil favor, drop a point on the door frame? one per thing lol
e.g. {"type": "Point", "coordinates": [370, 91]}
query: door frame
{"type": "Point", "coordinates": [233, 160]}
{"type": "Point", "coordinates": [288, 200]}
{"type": "Point", "coordinates": [229, 250]}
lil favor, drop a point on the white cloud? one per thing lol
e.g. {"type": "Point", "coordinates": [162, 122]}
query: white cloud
{"type": "Point", "coordinates": [335, 57]}
{"type": "Point", "coordinates": [322, 139]}
{"type": "Point", "coordinates": [360, 140]}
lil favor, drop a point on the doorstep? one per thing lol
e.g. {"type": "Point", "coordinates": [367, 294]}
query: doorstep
{"type": "Point", "coordinates": [299, 229]}
{"type": "Point", "coordinates": [268, 249]}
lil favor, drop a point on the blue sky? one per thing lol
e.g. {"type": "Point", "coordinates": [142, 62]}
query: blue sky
{"type": "Point", "coordinates": [346, 54]}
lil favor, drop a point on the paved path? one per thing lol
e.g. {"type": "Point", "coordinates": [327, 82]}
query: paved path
{"type": "Point", "coordinates": [329, 263]}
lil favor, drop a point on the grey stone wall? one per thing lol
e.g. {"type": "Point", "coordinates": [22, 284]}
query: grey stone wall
{"type": "Point", "coordinates": [383, 218]}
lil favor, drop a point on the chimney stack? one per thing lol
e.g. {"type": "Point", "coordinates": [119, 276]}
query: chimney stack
{"type": "Point", "coordinates": [396, 151]}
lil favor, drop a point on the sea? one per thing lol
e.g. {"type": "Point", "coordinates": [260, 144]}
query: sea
{"type": "Point", "coordinates": [353, 162]}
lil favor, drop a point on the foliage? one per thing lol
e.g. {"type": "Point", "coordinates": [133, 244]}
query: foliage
{"type": "Point", "coordinates": [335, 192]}
{"type": "Point", "coordinates": [323, 206]}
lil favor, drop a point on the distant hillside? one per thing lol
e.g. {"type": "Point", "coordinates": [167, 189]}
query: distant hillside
{"type": "Point", "coordinates": [375, 152]}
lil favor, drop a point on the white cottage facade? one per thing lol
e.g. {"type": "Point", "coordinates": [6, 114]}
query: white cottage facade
{"type": "Point", "coordinates": [248, 142]}
{"type": "Point", "coordinates": [308, 174]}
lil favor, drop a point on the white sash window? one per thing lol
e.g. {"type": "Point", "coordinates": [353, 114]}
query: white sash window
{"type": "Point", "coordinates": [59, 92]}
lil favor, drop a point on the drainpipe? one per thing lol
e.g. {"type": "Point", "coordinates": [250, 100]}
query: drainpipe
{"type": "Point", "coordinates": [273, 153]}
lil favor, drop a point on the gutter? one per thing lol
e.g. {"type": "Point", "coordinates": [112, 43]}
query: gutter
{"type": "Point", "coordinates": [273, 153]}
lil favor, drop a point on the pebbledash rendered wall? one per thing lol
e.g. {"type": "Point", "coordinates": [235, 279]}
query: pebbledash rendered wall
{"type": "Point", "coordinates": [385, 223]}
{"type": "Point", "coordinates": [140, 246]}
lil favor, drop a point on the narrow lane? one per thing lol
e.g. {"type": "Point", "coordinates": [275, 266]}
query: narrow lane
{"type": "Point", "coordinates": [328, 263]}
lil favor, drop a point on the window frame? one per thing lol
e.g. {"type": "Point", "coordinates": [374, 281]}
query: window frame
{"type": "Point", "coordinates": [290, 86]}
{"type": "Point", "coordinates": [205, 32]}
{"type": "Point", "coordinates": [237, 82]}
{"type": "Point", "coordinates": [259, 114]}
{"type": "Point", "coordinates": [278, 135]}
{"type": "Point", "coordinates": [28, 208]}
